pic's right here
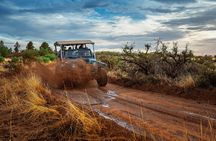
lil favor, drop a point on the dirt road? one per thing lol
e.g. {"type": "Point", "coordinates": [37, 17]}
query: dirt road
{"type": "Point", "coordinates": [159, 116]}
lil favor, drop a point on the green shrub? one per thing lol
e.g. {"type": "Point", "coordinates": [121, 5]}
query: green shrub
{"type": "Point", "coordinates": [30, 54]}
{"type": "Point", "coordinates": [212, 78]}
{"type": "Point", "coordinates": [46, 59]}
{"type": "Point", "coordinates": [44, 51]}
{"type": "Point", "coordinates": [43, 59]}
{"type": "Point", "coordinates": [15, 59]}
{"type": "Point", "coordinates": [4, 51]}
{"type": "Point", "coordinates": [52, 57]}
{"type": "Point", "coordinates": [164, 65]}
{"type": "Point", "coordinates": [202, 81]}
{"type": "Point", "coordinates": [112, 59]}
{"type": "Point", "coordinates": [151, 79]}
{"type": "Point", "coordinates": [206, 79]}
{"type": "Point", "coordinates": [39, 59]}
{"type": "Point", "coordinates": [2, 59]}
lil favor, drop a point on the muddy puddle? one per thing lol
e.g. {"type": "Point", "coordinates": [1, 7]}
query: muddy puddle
{"type": "Point", "coordinates": [120, 122]}
{"type": "Point", "coordinates": [110, 95]}
{"type": "Point", "coordinates": [87, 99]}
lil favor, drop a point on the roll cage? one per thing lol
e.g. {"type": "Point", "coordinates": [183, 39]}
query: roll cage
{"type": "Point", "coordinates": [75, 49]}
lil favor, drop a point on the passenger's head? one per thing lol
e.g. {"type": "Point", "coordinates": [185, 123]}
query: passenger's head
{"type": "Point", "coordinates": [81, 46]}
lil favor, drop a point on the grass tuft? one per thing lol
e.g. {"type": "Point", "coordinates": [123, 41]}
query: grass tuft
{"type": "Point", "coordinates": [186, 82]}
{"type": "Point", "coordinates": [28, 104]}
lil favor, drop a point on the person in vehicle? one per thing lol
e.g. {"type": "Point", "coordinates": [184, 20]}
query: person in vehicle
{"type": "Point", "coordinates": [81, 46]}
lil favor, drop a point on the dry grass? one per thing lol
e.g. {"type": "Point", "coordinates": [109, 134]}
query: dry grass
{"type": "Point", "coordinates": [186, 82]}
{"type": "Point", "coordinates": [30, 111]}
{"type": "Point", "coordinates": [2, 69]}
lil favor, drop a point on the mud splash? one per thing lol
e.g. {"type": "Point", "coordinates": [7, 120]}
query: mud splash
{"type": "Point", "coordinates": [73, 73]}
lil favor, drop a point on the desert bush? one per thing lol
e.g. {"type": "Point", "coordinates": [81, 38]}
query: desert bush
{"type": "Point", "coordinates": [30, 53]}
{"type": "Point", "coordinates": [146, 66]}
{"type": "Point", "coordinates": [112, 59]}
{"type": "Point", "coordinates": [142, 61]}
{"type": "Point", "coordinates": [150, 79]}
{"type": "Point", "coordinates": [14, 67]}
{"type": "Point", "coordinates": [174, 62]}
{"type": "Point", "coordinates": [2, 59]}
{"type": "Point", "coordinates": [178, 67]}
{"type": "Point", "coordinates": [206, 79]}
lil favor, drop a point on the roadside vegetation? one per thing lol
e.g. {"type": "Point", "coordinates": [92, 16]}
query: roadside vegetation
{"type": "Point", "coordinates": [30, 53]}
{"type": "Point", "coordinates": [162, 68]}
{"type": "Point", "coordinates": [30, 110]}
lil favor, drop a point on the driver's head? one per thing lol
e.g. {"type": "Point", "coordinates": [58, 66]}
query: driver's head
{"type": "Point", "coordinates": [81, 46]}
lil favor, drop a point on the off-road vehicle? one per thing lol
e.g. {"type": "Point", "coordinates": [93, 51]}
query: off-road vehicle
{"type": "Point", "coordinates": [79, 49]}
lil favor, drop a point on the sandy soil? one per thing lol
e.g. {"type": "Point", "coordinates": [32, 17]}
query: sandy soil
{"type": "Point", "coordinates": [162, 117]}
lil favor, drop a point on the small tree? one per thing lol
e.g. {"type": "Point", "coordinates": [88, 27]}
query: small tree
{"type": "Point", "coordinates": [30, 45]}
{"type": "Point", "coordinates": [45, 49]}
{"type": "Point", "coordinates": [44, 45]}
{"type": "Point", "coordinates": [174, 61]}
{"type": "Point", "coordinates": [16, 47]}
{"type": "Point", "coordinates": [142, 60]}
{"type": "Point", "coordinates": [1, 43]}
{"type": "Point", "coordinates": [4, 51]}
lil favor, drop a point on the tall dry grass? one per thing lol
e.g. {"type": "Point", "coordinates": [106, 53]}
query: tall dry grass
{"type": "Point", "coordinates": [29, 111]}
{"type": "Point", "coordinates": [186, 82]}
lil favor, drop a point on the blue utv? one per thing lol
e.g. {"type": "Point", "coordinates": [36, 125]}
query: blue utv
{"type": "Point", "coordinates": [79, 49]}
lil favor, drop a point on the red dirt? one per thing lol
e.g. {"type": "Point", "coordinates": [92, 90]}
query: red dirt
{"type": "Point", "coordinates": [203, 95]}
{"type": "Point", "coordinates": [160, 116]}
{"type": "Point", "coordinates": [157, 115]}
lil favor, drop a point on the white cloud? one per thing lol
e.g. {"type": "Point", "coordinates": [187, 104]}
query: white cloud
{"type": "Point", "coordinates": [116, 30]}
{"type": "Point", "coordinates": [125, 26]}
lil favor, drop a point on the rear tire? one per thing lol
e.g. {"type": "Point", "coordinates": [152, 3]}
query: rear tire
{"type": "Point", "coordinates": [102, 78]}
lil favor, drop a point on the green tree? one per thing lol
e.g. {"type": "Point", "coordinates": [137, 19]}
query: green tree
{"type": "Point", "coordinates": [1, 43]}
{"type": "Point", "coordinates": [16, 47]}
{"type": "Point", "coordinates": [45, 49]}
{"type": "Point", "coordinates": [4, 51]}
{"type": "Point", "coordinates": [30, 45]}
{"type": "Point", "coordinates": [44, 45]}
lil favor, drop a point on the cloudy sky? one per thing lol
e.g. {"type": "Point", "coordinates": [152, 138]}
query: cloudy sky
{"type": "Point", "coordinates": [111, 23]}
